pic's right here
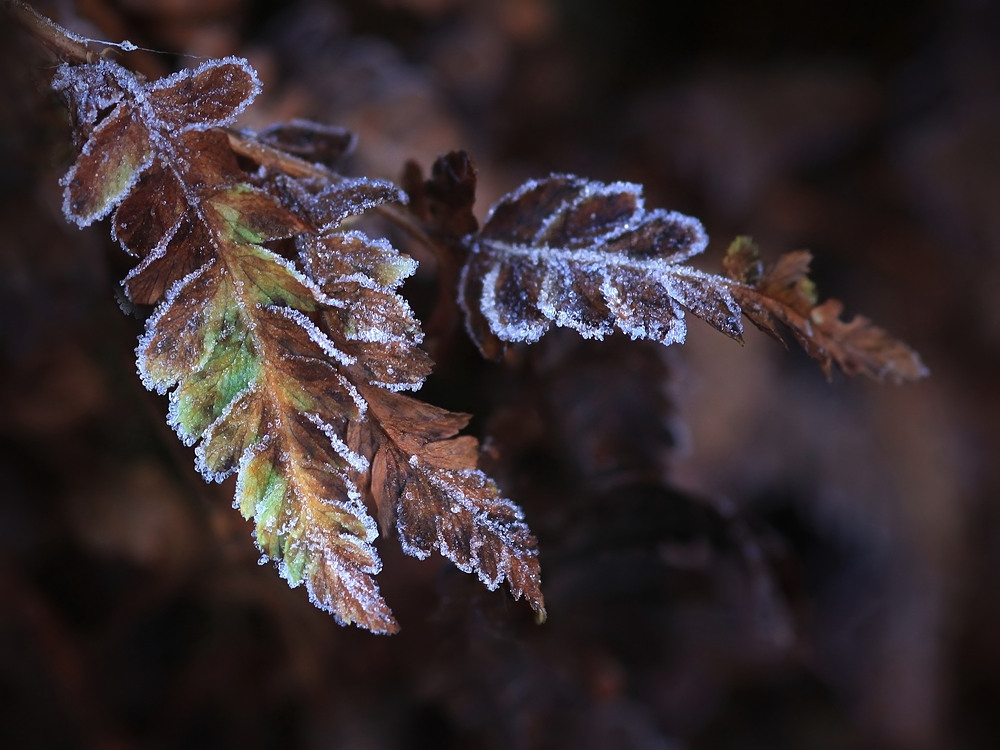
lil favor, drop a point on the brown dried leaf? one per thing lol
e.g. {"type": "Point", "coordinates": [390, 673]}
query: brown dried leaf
{"type": "Point", "coordinates": [320, 144]}
{"type": "Point", "coordinates": [463, 515]}
{"type": "Point", "coordinates": [413, 424]}
{"type": "Point", "coordinates": [784, 294]}
{"type": "Point", "coordinates": [858, 347]}
{"type": "Point", "coordinates": [427, 480]}
{"type": "Point", "coordinates": [326, 205]}
{"type": "Point", "coordinates": [423, 479]}
{"type": "Point", "coordinates": [444, 202]}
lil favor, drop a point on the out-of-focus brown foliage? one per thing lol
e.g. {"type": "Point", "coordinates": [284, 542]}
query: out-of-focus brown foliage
{"type": "Point", "coordinates": [745, 554]}
{"type": "Point", "coordinates": [784, 293]}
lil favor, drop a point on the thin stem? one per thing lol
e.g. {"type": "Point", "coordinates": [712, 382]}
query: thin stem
{"type": "Point", "coordinates": [268, 156]}
{"type": "Point", "coordinates": [64, 43]}
{"type": "Point", "coordinates": [405, 221]}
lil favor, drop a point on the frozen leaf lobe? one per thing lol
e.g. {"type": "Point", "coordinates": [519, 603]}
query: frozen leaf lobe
{"type": "Point", "coordinates": [311, 141]}
{"type": "Point", "coordinates": [426, 478]}
{"type": "Point", "coordinates": [259, 385]}
{"type": "Point", "coordinates": [209, 96]}
{"type": "Point", "coordinates": [141, 121]}
{"type": "Point", "coordinates": [374, 324]}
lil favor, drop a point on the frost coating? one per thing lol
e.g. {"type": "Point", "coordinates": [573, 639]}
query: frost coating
{"type": "Point", "coordinates": [354, 256]}
{"type": "Point", "coordinates": [89, 89]}
{"type": "Point", "coordinates": [160, 384]}
{"type": "Point", "coordinates": [199, 91]}
{"type": "Point", "coordinates": [588, 256]}
{"type": "Point", "coordinates": [351, 197]}
{"type": "Point", "coordinates": [356, 461]}
{"type": "Point", "coordinates": [114, 179]}
{"type": "Point", "coordinates": [475, 527]}
{"type": "Point", "coordinates": [232, 408]}
{"type": "Point", "coordinates": [315, 334]}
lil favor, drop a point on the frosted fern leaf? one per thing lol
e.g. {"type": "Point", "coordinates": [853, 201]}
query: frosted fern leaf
{"type": "Point", "coordinates": [252, 379]}
{"type": "Point", "coordinates": [278, 333]}
{"type": "Point", "coordinates": [589, 256]}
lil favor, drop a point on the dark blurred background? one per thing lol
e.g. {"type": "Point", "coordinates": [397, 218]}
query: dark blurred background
{"type": "Point", "coordinates": [735, 552]}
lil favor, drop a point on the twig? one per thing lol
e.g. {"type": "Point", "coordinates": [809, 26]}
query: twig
{"type": "Point", "coordinates": [63, 42]}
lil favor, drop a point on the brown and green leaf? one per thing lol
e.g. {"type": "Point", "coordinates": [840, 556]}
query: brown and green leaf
{"type": "Point", "coordinates": [265, 357]}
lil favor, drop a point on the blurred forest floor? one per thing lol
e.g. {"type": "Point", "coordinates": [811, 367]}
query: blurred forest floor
{"type": "Point", "coordinates": [735, 553]}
